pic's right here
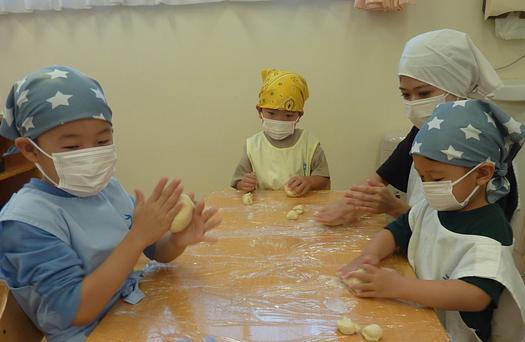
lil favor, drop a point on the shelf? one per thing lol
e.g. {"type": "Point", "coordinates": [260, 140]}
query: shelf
{"type": "Point", "coordinates": [15, 164]}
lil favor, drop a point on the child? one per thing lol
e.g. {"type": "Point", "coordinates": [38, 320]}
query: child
{"type": "Point", "coordinates": [280, 154]}
{"type": "Point", "coordinates": [68, 242]}
{"type": "Point", "coordinates": [458, 241]}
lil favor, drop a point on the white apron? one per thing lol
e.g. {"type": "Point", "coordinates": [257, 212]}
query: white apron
{"type": "Point", "coordinates": [275, 166]}
{"type": "Point", "coordinates": [435, 253]}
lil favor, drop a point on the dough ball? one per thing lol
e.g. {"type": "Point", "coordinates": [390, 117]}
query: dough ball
{"type": "Point", "coordinates": [353, 281]}
{"type": "Point", "coordinates": [347, 326]}
{"type": "Point", "coordinates": [292, 215]}
{"type": "Point", "coordinates": [247, 198]}
{"type": "Point", "coordinates": [289, 192]}
{"type": "Point", "coordinates": [299, 208]}
{"type": "Point", "coordinates": [183, 218]}
{"type": "Point", "coordinates": [372, 332]}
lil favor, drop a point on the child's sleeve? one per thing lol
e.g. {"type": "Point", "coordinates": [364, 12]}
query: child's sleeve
{"type": "Point", "coordinates": [400, 228]}
{"type": "Point", "coordinates": [490, 286]}
{"type": "Point", "coordinates": [481, 320]}
{"type": "Point", "coordinates": [242, 168]}
{"type": "Point", "coordinates": [31, 257]}
{"type": "Point", "coordinates": [319, 164]}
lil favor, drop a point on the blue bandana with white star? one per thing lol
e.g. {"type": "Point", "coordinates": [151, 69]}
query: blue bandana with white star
{"type": "Point", "coordinates": [50, 97]}
{"type": "Point", "coordinates": [466, 133]}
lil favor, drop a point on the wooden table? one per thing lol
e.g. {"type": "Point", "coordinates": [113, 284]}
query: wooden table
{"type": "Point", "coordinates": [267, 279]}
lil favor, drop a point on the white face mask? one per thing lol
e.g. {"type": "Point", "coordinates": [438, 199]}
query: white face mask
{"type": "Point", "coordinates": [419, 111]}
{"type": "Point", "coordinates": [277, 129]}
{"type": "Point", "coordinates": [440, 196]}
{"type": "Point", "coordinates": [83, 172]}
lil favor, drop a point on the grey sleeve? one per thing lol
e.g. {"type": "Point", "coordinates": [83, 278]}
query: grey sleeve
{"type": "Point", "coordinates": [242, 168]}
{"type": "Point", "coordinates": [319, 164]}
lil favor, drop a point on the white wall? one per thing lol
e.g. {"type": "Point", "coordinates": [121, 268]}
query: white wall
{"type": "Point", "coordinates": [183, 80]}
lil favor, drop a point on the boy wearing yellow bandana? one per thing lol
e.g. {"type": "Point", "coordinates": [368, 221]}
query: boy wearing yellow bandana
{"type": "Point", "coordinates": [281, 155]}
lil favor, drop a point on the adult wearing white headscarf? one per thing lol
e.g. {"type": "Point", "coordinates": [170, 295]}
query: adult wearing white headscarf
{"type": "Point", "coordinates": [449, 60]}
{"type": "Point", "coordinates": [435, 67]}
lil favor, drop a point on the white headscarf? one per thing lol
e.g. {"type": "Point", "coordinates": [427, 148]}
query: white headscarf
{"type": "Point", "coordinates": [449, 60]}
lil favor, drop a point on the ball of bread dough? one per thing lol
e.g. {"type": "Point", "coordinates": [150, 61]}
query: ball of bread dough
{"type": "Point", "coordinates": [347, 326]}
{"type": "Point", "coordinates": [299, 208]}
{"type": "Point", "coordinates": [292, 215]}
{"type": "Point", "coordinates": [372, 332]}
{"type": "Point", "coordinates": [247, 198]}
{"type": "Point", "coordinates": [183, 218]}
{"type": "Point", "coordinates": [289, 192]}
{"type": "Point", "coordinates": [353, 281]}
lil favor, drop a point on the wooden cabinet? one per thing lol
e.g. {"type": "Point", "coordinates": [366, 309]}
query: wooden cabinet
{"type": "Point", "coordinates": [16, 172]}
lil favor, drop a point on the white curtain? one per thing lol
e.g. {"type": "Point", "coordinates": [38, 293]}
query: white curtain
{"type": "Point", "coordinates": [24, 6]}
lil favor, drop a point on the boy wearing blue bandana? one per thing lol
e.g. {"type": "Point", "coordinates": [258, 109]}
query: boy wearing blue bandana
{"type": "Point", "coordinates": [68, 242]}
{"type": "Point", "coordinates": [458, 241]}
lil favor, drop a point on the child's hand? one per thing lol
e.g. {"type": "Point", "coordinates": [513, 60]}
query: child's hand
{"type": "Point", "coordinates": [357, 263]}
{"type": "Point", "coordinates": [152, 218]}
{"type": "Point", "coordinates": [378, 282]}
{"type": "Point", "coordinates": [201, 223]}
{"type": "Point", "coordinates": [299, 185]}
{"type": "Point", "coordinates": [248, 183]}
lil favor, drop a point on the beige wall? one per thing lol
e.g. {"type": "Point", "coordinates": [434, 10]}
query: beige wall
{"type": "Point", "coordinates": [183, 80]}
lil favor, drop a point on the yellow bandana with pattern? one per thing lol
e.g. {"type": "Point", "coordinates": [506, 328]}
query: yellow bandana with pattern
{"type": "Point", "coordinates": [283, 90]}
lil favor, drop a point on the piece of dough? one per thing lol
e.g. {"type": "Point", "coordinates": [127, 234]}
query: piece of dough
{"type": "Point", "coordinates": [289, 192]}
{"type": "Point", "coordinates": [183, 218]}
{"type": "Point", "coordinates": [292, 215]}
{"type": "Point", "coordinates": [299, 208]}
{"type": "Point", "coordinates": [347, 326]}
{"type": "Point", "coordinates": [372, 332]}
{"type": "Point", "coordinates": [247, 198]}
{"type": "Point", "coordinates": [353, 281]}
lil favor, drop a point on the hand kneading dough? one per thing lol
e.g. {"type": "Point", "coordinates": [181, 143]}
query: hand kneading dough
{"type": "Point", "coordinates": [289, 192]}
{"type": "Point", "coordinates": [183, 218]}
{"type": "Point", "coordinates": [372, 332]}
{"type": "Point", "coordinates": [292, 215]}
{"type": "Point", "coordinates": [299, 208]}
{"type": "Point", "coordinates": [346, 326]}
{"type": "Point", "coordinates": [247, 198]}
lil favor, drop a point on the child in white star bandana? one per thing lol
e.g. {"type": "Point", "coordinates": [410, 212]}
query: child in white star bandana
{"type": "Point", "coordinates": [458, 240]}
{"type": "Point", "coordinates": [69, 242]}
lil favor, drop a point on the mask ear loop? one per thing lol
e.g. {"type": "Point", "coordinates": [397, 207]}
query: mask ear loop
{"type": "Point", "coordinates": [476, 189]}
{"type": "Point", "coordinates": [38, 148]}
{"type": "Point", "coordinates": [296, 122]}
{"type": "Point", "coordinates": [490, 182]}
{"type": "Point", "coordinates": [469, 197]}
{"type": "Point", "coordinates": [39, 167]}
{"type": "Point", "coordinates": [468, 173]}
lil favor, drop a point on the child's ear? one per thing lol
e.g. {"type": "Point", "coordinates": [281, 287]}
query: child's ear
{"type": "Point", "coordinates": [259, 110]}
{"type": "Point", "coordinates": [485, 173]}
{"type": "Point", "coordinates": [27, 149]}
